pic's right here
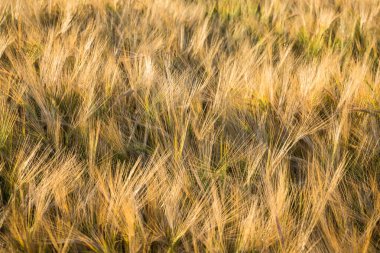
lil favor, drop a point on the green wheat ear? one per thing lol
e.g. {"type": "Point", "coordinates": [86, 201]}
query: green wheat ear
{"type": "Point", "coordinates": [228, 9]}
{"type": "Point", "coordinates": [260, 102]}
{"type": "Point", "coordinates": [7, 120]}
{"type": "Point", "coordinates": [111, 8]}
{"type": "Point", "coordinates": [33, 51]}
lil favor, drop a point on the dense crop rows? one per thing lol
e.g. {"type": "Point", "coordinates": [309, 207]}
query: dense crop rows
{"type": "Point", "coordinates": [189, 126]}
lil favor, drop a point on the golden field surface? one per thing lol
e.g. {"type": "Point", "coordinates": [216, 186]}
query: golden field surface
{"type": "Point", "coordinates": [189, 126]}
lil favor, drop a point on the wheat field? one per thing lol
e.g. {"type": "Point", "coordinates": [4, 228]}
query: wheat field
{"type": "Point", "coordinates": [189, 126]}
